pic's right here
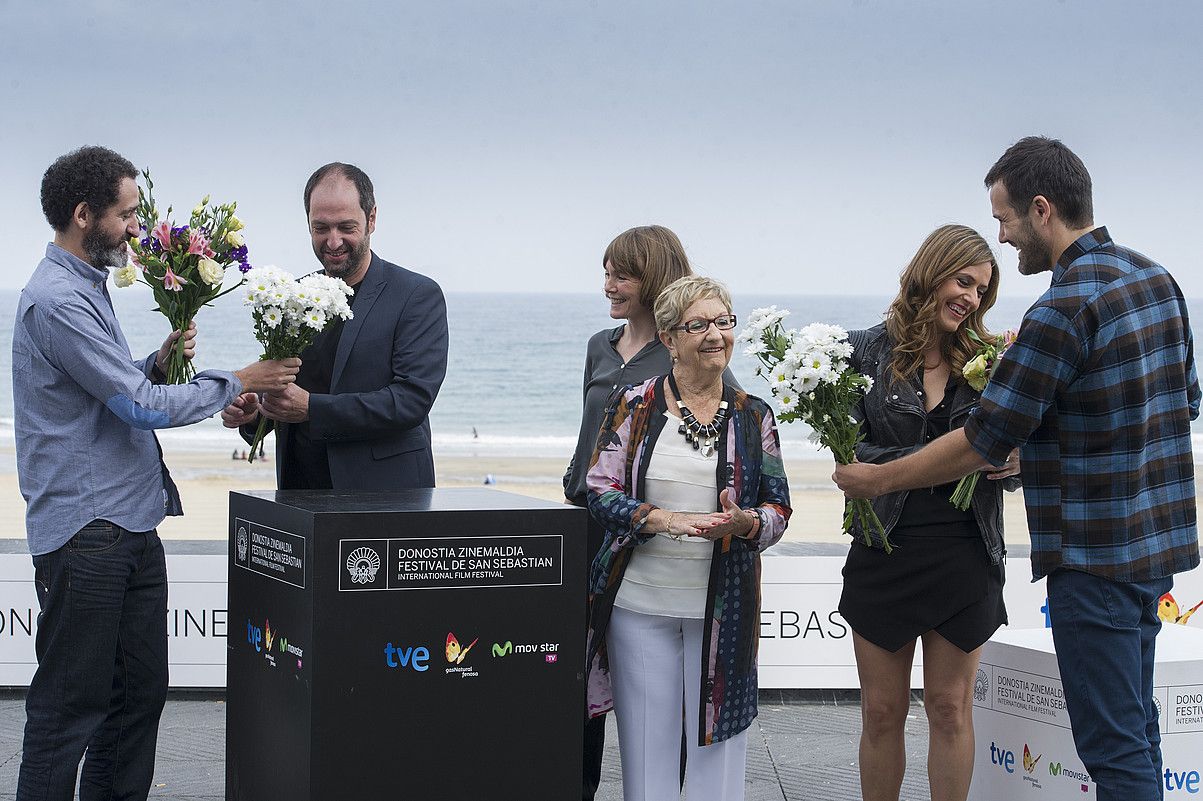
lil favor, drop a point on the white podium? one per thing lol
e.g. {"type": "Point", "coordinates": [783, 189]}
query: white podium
{"type": "Point", "coordinates": [1022, 727]}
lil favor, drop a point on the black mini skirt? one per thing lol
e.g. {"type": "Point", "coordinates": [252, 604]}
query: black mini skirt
{"type": "Point", "coordinates": [938, 578]}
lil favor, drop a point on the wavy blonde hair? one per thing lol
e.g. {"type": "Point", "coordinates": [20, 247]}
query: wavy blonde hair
{"type": "Point", "coordinates": [911, 318]}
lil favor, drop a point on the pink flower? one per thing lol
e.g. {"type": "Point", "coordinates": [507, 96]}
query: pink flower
{"type": "Point", "coordinates": [162, 233]}
{"type": "Point", "coordinates": [172, 281]}
{"type": "Point", "coordinates": [198, 244]}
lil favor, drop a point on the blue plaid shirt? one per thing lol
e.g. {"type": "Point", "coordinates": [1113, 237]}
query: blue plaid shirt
{"type": "Point", "coordinates": [84, 410]}
{"type": "Point", "coordinates": [1099, 389]}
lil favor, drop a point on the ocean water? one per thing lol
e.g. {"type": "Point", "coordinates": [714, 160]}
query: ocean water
{"type": "Point", "coordinates": [513, 385]}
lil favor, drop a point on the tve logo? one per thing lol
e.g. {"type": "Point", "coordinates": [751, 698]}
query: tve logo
{"type": "Point", "coordinates": [254, 635]}
{"type": "Point", "coordinates": [1186, 780]}
{"type": "Point", "coordinates": [416, 658]}
{"type": "Point", "coordinates": [1003, 758]}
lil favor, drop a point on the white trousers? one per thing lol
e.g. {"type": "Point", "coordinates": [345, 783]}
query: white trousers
{"type": "Point", "coordinates": [655, 673]}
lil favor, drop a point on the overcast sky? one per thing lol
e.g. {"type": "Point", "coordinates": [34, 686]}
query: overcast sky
{"type": "Point", "coordinates": [801, 146]}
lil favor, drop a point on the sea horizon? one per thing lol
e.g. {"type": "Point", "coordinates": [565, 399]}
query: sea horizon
{"type": "Point", "coordinates": [515, 362]}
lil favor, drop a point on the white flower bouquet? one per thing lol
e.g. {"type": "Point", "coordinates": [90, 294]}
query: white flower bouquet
{"type": "Point", "coordinates": [811, 381]}
{"type": "Point", "coordinates": [289, 313]}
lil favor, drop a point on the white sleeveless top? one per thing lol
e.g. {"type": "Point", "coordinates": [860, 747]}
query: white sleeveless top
{"type": "Point", "coordinates": [666, 575]}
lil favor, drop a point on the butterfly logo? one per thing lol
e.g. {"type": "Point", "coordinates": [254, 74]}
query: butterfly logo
{"type": "Point", "coordinates": [1029, 764]}
{"type": "Point", "coordinates": [456, 654]}
{"type": "Point", "coordinates": [1169, 612]}
{"type": "Point", "coordinates": [267, 635]}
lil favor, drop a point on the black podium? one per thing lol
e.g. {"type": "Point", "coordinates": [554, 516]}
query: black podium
{"type": "Point", "coordinates": [423, 644]}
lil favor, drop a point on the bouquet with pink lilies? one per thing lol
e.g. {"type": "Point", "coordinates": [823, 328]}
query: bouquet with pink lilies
{"type": "Point", "coordinates": [184, 265]}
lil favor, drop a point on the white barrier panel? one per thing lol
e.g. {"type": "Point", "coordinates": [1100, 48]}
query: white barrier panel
{"type": "Point", "coordinates": [1021, 727]}
{"type": "Point", "coordinates": [196, 620]}
{"type": "Point", "coordinates": [805, 643]}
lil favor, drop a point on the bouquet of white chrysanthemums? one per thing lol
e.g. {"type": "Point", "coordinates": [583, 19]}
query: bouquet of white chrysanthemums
{"type": "Point", "coordinates": [289, 313]}
{"type": "Point", "coordinates": [811, 381]}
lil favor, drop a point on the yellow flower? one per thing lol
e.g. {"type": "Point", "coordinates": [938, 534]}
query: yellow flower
{"type": "Point", "coordinates": [975, 372]}
{"type": "Point", "coordinates": [210, 272]}
{"type": "Point", "coordinates": [234, 239]}
{"type": "Point", "coordinates": [235, 223]}
{"type": "Point", "coordinates": [125, 276]}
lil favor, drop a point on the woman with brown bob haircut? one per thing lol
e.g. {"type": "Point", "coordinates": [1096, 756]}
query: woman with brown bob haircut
{"type": "Point", "coordinates": [636, 266]}
{"type": "Point", "coordinates": [943, 581]}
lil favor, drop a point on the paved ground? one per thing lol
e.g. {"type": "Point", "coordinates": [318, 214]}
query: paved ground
{"type": "Point", "coordinates": [798, 749]}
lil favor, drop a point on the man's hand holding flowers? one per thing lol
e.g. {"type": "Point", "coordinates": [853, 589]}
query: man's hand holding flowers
{"type": "Point", "coordinates": [171, 345]}
{"type": "Point", "coordinates": [269, 375]}
{"type": "Point", "coordinates": [291, 405]}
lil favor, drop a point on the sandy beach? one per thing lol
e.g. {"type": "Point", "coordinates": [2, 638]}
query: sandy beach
{"type": "Point", "coordinates": [206, 478]}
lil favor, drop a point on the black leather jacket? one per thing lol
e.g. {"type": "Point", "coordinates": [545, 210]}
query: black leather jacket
{"type": "Point", "coordinates": [893, 421]}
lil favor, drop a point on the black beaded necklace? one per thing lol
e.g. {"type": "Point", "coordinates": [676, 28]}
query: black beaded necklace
{"type": "Point", "coordinates": [702, 437]}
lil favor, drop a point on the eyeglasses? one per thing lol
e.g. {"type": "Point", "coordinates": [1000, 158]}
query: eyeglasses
{"type": "Point", "coordinates": [699, 325]}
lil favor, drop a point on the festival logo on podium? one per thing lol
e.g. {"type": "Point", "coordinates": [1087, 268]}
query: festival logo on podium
{"type": "Point", "coordinates": [241, 543]}
{"type": "Point", "coordinates": [981, 687]}
{"type": "Point", "coordinates": [361, 565]}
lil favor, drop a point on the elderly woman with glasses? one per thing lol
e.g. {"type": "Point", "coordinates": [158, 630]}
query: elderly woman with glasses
{"type": "Point", "coordinates": [687, 482]}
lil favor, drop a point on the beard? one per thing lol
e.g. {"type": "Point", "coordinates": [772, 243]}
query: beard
{"type": "Point", "coordinates": [1035, 256]}
{"type": "Point", "coordinates": [103, 252]}
{"type": "Point", "coordinates": [350, 264]}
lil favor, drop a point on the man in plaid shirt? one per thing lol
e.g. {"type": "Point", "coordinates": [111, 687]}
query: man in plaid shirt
{"type": "Point", "coordinates": [1098, 391]}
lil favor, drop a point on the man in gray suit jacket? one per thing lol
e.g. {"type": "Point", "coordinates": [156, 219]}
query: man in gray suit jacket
{"type": "Point", "coordinates": [356, 418]}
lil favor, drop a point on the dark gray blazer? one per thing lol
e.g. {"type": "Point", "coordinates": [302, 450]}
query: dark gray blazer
{"type": "Point", "coordinates": [390, 363]}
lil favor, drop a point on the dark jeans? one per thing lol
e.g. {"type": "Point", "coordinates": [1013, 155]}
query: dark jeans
{"type": "Point", "coordinates": [1105, 632]}
{"type": "Point", "coordinates": [102, 667]}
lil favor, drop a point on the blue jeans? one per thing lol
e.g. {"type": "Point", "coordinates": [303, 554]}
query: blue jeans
{"type": "Point", "coordinates": [1105, 632]}
{"type": "Point", "coordinates": [101, 680]}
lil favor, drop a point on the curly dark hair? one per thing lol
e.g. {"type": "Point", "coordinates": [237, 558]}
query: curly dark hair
{"type": "Point", "coordinates": [91, 175]}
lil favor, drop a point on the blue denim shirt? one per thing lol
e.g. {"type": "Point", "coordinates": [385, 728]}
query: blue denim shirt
{"type": "Point", "coordinates": [84, 410]}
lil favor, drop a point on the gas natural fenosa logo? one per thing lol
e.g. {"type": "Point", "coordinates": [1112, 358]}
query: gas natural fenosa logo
{"type": "Point", "coordinates": [456, 654]}
{"type": "Point", "coordinates": [1029, 764]}
{"type": "Point", "coordinates": [362, 564]}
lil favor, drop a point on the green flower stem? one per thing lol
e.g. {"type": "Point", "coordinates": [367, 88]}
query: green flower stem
{"type": "Point", "coordinates": [260, 433]}
{"type": "Point", "coordinates": [962, 496]}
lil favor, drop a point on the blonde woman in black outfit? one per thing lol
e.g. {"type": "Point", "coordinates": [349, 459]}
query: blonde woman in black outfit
{"type": "Point", "coordinates": [943, 581]}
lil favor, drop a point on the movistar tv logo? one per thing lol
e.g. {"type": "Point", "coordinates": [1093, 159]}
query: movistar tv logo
{"type": "Point", "coordinates": [1056, 769]}
{"type": "Point", "coordinates": [550, 650]}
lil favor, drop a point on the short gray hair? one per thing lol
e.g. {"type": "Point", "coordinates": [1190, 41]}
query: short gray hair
{"type": "Point", "coordinates": [678, 296]}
